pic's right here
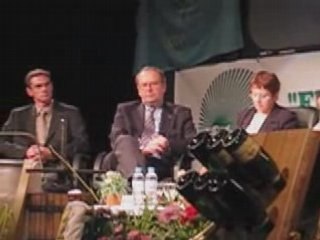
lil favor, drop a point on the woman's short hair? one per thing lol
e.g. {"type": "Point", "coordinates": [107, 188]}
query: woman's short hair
{"type": "Point", "coordinates": [266, 80]}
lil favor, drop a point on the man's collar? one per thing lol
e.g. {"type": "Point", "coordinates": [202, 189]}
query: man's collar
{"type": "Point", "coordinates": [47, 108]}
{"type": "Point", "coordinates": [147, 107]}
{"type": "Point", "coordinates": [154, 105]}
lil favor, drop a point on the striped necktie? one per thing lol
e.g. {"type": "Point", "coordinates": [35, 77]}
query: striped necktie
{"type": "Point", "coordinates": [149, 126]}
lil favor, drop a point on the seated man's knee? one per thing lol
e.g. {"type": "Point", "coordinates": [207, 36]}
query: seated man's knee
{"type": "Point", "coordinates": [126, 140]}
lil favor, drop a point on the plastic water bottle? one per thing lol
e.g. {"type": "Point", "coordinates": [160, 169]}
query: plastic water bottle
{"type": "Point", "coordinates": [151, 185]}
{"type": "Point", "coordinates": [138, 187]}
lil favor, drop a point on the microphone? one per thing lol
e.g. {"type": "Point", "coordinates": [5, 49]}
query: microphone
{"type": "Point", "coordinates": [63, 128]}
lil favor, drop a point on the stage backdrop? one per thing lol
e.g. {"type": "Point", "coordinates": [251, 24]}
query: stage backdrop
{"type": "Point", "coordinates": [216, 93]}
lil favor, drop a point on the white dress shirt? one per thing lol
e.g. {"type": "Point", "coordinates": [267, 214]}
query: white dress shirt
{"type": "Point", "coordinates": [256, 123]}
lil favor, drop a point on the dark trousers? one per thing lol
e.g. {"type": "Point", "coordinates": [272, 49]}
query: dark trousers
{"type": "Point", "coordinates": [126, 155]}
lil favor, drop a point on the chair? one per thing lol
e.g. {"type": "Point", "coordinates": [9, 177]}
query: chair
{"type": "Point", "coordinates": [104, 161]}
{"type": "Point", "coordinates": [307, 116]}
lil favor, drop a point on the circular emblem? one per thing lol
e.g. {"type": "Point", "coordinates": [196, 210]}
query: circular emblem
{"type": "Point", "coordinates": [227, 94]}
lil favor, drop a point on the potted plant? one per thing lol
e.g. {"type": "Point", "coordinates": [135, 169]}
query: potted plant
{"type": "Point", "coordinates": [111, 188]}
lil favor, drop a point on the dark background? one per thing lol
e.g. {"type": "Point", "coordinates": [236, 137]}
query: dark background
{"type": "Point", "coordinates": [87, 45]}
{"type": "Point", "coordinates": [89, 48]}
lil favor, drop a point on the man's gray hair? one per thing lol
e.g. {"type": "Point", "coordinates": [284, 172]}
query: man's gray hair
{"type": "Point", "coordinates": [36, 72]}
{"type": "Point", "coordinates": [151, 68]}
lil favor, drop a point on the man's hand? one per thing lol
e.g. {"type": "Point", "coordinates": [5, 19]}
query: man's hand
{"type": "Point", "coordinates": [45, 153]}
{"type": "Point", "coordinates": [37, 153]}
{"type": "Point", "coordinates": [33, 152]}
{"type": "Point", "coordinates": [158, 145]}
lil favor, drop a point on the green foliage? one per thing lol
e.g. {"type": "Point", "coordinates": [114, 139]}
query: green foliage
{"type": "Point", "coordinates": [144, 223]}
{"type": "Point", "coordinates": [112, 183]}
{"type": "Point", "coordinates": [6, 219]}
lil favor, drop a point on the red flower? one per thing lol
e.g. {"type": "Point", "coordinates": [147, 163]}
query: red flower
{"type": "Point", "coordinates": [136, 235]}
{"type": "Point", "coordinates": [189, 214]}
{"type": "Point", "coordinates": [118, 229]}
{"type": "Point", "coordinates": [145, 237]}
{"type": "Point", "coordinates": [169, 213]}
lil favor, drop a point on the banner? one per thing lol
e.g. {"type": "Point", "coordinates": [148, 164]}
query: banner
{"type": "Point", "coordinates": [295, 22]}
{"type": "Point", "coordinates": [216, 93]}
{"type": "Point", "coordinates": [172, 34]}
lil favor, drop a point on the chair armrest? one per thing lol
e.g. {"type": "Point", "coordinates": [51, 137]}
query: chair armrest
{"type": "Point", "coordinates": [81, 161]}
{"type": "Point", "coordinates": [97, 165]}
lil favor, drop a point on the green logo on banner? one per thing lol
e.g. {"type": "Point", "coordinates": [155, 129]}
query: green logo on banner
{"type": "Point", "coordinates": [227, 94]}
{"type": "Point", "coordinates": [303, 98]}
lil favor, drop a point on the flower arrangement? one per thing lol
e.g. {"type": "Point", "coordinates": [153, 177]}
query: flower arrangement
{"type": "Point", "coordinates": [112, 183]}
{"type": "Point", "coordinates": [174, 218]}
{"type": "Point", "coordinates": [174, 221]}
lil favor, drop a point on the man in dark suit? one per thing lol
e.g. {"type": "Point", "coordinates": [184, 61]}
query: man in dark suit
{"type": "Point", "coordinates": [51, 122]}
{"type": "Point", "coordinates": [173, 128]}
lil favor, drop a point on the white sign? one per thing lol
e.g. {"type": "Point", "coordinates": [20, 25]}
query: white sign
{"type": "Point", "coordinates": [216, 93]}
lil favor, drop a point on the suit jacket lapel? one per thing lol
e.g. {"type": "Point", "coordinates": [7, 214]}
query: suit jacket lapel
{"type": "Point", "coordinates": [138, 119]}
{"type": "Point", "coordinates": [247, 119]}
{"type": "Point", "coordinates": [271, 123]}
{"type": "Point", "coordinates": [55, 122]}
{"type": "Point", "coordinates": [31, 120]}
{"type": "Point", "coordinates": [166, 119]}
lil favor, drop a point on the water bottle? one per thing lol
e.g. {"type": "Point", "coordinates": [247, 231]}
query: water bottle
{"type": "Point", "coordinates": [151, 185]}
{"type": "Point", "coordinates": [138, 187]}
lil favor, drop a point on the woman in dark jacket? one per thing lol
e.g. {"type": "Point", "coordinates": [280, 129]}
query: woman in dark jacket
{"type": "Point", "coordinates": [266, 115]}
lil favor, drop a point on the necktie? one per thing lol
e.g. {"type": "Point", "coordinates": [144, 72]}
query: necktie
{"type": "Point", "coordinates": [149, 126]}
{"type": "Point", "coordinates": [42, 127]}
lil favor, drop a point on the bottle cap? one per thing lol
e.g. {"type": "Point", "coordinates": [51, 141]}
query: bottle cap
{"type": "Point", "coordinates": [138, 169]}
{"type": "Point", "coordinates": [75, 192]}
{"type": "Point", "coordinates": [151, 169]}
